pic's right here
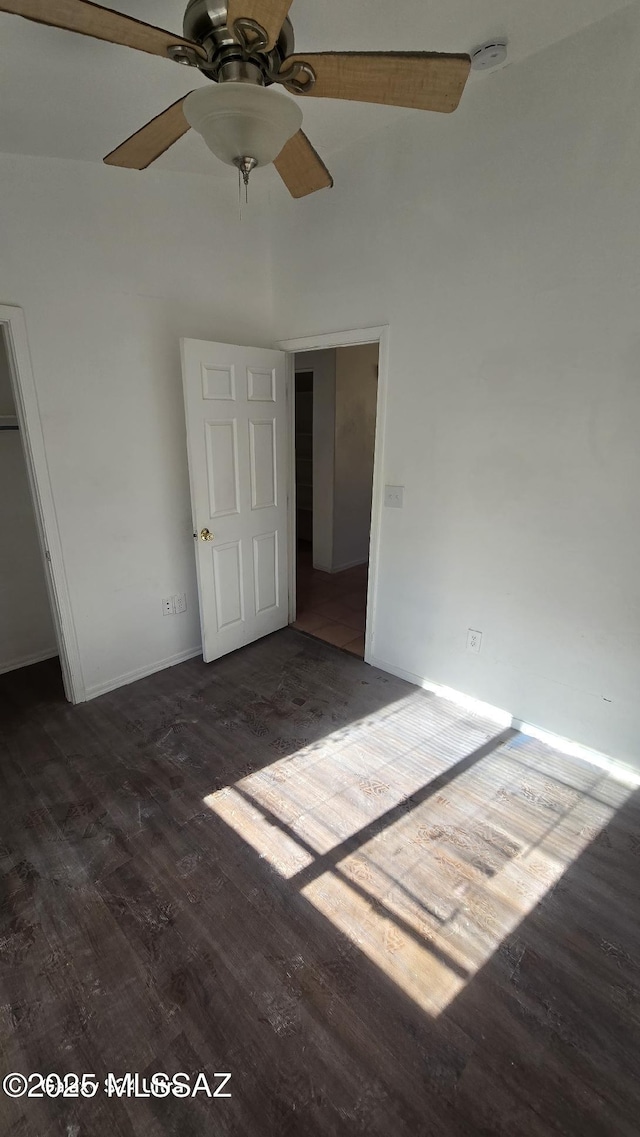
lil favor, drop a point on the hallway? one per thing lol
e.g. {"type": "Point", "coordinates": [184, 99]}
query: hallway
{"type": "Point", "coordinates": [331, 606]}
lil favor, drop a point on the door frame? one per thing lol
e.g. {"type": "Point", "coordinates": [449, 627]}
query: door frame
{"type": "Point", "coordinates": [379, 335]}
{"type": "Point", "coordinates": [14, 328]}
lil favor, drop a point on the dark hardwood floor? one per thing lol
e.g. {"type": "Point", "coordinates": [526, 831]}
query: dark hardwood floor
{"type": "Point", "coordinates": [381, 914]}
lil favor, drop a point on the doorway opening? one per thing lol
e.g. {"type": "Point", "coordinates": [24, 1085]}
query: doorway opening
{"type": "Point", "coordinates": [33, 572]}
{"type": "Point", "coordinates": [335, 409]}
{"type": "Point", "coordinates": [28, 630]}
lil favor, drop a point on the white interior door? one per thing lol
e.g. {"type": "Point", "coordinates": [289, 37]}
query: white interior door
{"type": "Point", "coordinates": [237, 438]}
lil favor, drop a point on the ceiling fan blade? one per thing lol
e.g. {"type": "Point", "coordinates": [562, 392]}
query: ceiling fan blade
{"type": "Point", "coordinates": [420, 79]}
{"type": "Point", "coordinates": [102, 23]}
{"type": "Point", "coordinates": [152, 140]}
{"type": "Point", "coordinates": [270, 14]}
{"type": "Point", "coordinates": [300, 168]}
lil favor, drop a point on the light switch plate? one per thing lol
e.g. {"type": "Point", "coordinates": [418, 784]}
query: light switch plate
{"type": "Point", "coordinates": [393, 496]}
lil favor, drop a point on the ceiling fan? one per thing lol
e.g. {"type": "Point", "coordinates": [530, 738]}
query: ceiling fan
{"type": "Point", "coordinates": [247, 48]}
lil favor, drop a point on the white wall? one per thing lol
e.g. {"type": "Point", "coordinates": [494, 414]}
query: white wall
{"type": "Point", "coordinates": [112, 267]}
{"type": "Point", "coordinates": [502, 246]}
{"type": "Point", "coordinates": [356, 401]}
{"type": "Point", "coordinates": [26, 627]}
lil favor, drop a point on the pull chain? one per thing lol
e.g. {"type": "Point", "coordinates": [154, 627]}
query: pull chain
{"type": "Point", "coordinates": [245, 166]}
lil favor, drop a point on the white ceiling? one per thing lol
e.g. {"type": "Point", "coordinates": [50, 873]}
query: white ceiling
{"type": "Point", "coordinates": [68, 96]}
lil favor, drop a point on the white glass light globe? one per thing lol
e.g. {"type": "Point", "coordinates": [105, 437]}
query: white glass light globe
{"type": "Point", "coordinates": [242, 120]}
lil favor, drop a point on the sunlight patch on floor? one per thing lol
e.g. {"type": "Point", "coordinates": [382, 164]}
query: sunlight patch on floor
{"type": "Point", "coordinates": [430, 899]}
{"type": "Point", "coordinates": [282, 852]}
{"type": "Point", "coordinates": [420, 838]}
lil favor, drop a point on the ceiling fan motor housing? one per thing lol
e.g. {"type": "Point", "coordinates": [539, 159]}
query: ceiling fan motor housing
{"type": "Point", "coordinates": [205, 22]}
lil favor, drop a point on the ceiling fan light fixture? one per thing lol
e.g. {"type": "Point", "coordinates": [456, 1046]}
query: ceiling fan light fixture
{"type": "Point", "coordinates": [239, 121]}
{"type": "Point", "coordinates": [241, 45]}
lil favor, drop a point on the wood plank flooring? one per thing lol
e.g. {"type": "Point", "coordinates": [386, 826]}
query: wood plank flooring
{"type": "Point", "coordinates": [382, 915]}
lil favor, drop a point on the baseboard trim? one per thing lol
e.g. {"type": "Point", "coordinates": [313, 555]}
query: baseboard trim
{"type": "Point", "coordinates": [27, 660]}
{"type": "Point", "coordinates": [620, 770]}
{"type": "Point", "coordinates": [142, 672]}
{"type": "Point", "coordinates": [349, 565]}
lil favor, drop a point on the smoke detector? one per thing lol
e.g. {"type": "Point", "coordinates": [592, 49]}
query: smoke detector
{"type": "Point", "coordinates": [489, 55]}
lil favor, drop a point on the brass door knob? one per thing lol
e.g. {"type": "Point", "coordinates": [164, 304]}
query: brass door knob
{"type": "Point", "coordinates": [205, 535]}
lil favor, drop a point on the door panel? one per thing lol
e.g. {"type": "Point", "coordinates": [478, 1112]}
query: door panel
{"type": "Point", "coordinates": [218, 383]}
{"type": "Point", "coordinates": [222, 467]}
{"type": "Point", "coordinates": [264, 472]}
{"type": "Point", "coordinates": [227, 584]}
{"type": "Point", "coordinates": [262, 385]}
{"type": "Point", "coordinates": [265, 569]}
{"type": "Point", "coordinates": [237, 439]}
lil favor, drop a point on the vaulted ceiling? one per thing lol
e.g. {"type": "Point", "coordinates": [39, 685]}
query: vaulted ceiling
{"type": "Point", "coordinates": [68, 96]}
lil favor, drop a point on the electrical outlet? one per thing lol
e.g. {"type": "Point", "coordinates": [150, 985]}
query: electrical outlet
{"type": "Point", "coordinates": [393, 496]}
{"type": "Point", "coordinates": [168, 606]}
{"type": "Point", "coordinates": [180, 603]}
{"type": "Point", "coordinates": [474, 640]}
